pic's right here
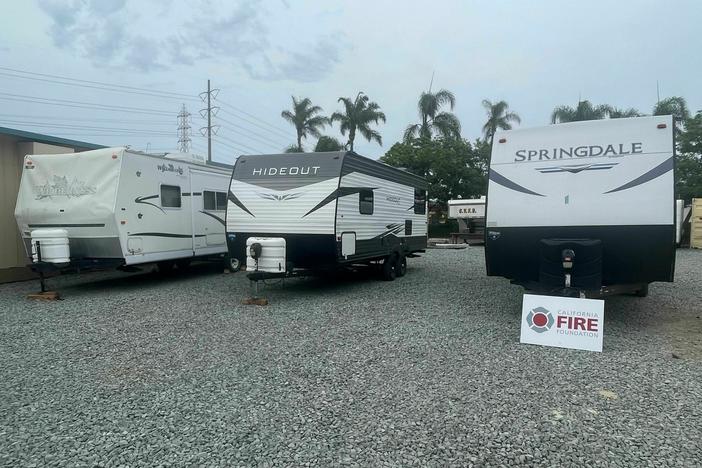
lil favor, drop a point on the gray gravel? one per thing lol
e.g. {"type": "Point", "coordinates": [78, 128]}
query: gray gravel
{"type": "Point", "coordinates": [138, 370]}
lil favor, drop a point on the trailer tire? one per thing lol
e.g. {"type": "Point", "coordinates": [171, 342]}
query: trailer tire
{"type": "Point", "coordinates": [390, 268]}
{"type": "Point", "coordinates": [183, 263]}
{"type": "Point", "coordinates": [165, 267]}
{"type": "Point", "coordinates": [643, 292]}
{"type": "Point", "coordinates": [401, 266]}
{"type": "Point", "coordinates": [232, 263]}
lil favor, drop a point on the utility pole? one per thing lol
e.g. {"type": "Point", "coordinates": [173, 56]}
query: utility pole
{"type": "Point", "coordinates": [184, 130]}
{"type": "Point", "coordinates": [209, 112]}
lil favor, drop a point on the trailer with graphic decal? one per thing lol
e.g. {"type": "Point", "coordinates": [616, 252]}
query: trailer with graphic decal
{"type": "Point", "coordinates": [318, 211]}
{"type": "Point", "coordinates": [583, 208]}
{"type": "Point", "coordinates": [116, 207]}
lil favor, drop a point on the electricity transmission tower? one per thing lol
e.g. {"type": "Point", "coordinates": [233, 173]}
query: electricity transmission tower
{"type": "Point", "coordinates": [209, 112]}
{"type": "Point", "coordinates": [184, 130]}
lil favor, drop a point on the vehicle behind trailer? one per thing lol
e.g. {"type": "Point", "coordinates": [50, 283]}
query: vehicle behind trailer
{"type": "Point", "coordinates": [116, 207]}
{"type": "Point", "coordinates": [310, 212]}
{"type": "Point", "coordinates": [583, 208]}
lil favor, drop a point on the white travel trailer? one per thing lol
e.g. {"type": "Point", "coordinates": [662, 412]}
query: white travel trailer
{"type": "Point", "coordinates": [115, 207]}
{"type": "Point", "coordinates": [584, 206]}
{"type": "Point", "coordinates": [316, 211]}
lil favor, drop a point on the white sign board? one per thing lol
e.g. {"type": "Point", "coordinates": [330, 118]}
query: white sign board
{"type": "Point", "coordinates": [565, 322]}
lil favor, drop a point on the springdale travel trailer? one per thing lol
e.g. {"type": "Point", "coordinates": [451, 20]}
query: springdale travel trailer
{"type": "Point", "coordinates": [583, 208]}
{"type": "Point", "coordinates": [316, 211]}
{"type": "Point", "coordinates": [116, 207]}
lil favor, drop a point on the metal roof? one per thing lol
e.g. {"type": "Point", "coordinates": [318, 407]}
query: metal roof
{"type": "Point", "coordinates": [48, 139]}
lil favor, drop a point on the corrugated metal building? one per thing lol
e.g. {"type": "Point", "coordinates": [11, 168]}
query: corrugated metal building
{"type": "Point", "coordinates": [14, 145]}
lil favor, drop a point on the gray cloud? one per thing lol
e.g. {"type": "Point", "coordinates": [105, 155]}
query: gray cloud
{"type": "Point", "coordinates": [104, 32]}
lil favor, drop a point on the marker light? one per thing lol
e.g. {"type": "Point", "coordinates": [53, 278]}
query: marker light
{"type": "Point", "coordinates": [662, 125]}
{"type": "Point", "coordinates": [503, 140]}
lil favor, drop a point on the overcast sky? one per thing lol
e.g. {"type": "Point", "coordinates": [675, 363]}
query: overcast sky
{"type": "Point", "coordinates": [535, 55]}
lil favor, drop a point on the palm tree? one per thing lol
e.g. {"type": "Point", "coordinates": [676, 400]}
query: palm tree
{"type": "Point", "coordinates": [304, 117]}
{"type": "Point", "coordinates": [327, 143]}
{"type": "Point", "coordinates": [444, 124]}
{"type": "Point", "coordinates": [616, 113]}
{"type": "Point", "coordinates": [499, 117]}
{"type": "Point", "coordinates": [358, 114]}
{"type": "Point", "coordinates": [293, 149]}
{"type": "Point", "coordinates": [584, 111]}
{"type": "Point", "coordinates": [675, 106]}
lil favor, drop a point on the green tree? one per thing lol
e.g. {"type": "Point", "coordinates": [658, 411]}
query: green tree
{"type": "Point", "coordinates": [499, 117]}
{"type": "Point", "coordinates": [453, 167]}
{"type": "Point", "coordinates": [675, 106]}
{"type": "Point", "coordinates": [358, 115]}
{"type": "Point", "coordinates": [583, 111]}
{"type": "Point", "coordinates": [305, 118]}
{"type": "Point", "coordinates": [293, 149]}
{"type": "Point", "coordinates": [327, 143]}
{"type": "Point", "coordinates": [617, 113]}
{"type": "Point", "coordinates": [433, 122]}
{"type": "Point", "coordinates": [688, 163]}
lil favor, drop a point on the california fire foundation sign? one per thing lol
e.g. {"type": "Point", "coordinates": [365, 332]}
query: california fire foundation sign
{"type": "Point", "coordinates": [565, 322]}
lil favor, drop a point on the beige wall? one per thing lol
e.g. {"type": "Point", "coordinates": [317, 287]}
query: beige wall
{"type": "Point", "coordinates": [12, 152]}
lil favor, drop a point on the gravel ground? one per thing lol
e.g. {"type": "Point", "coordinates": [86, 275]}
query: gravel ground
{"type": "Point", "coordinates": [139, 370]}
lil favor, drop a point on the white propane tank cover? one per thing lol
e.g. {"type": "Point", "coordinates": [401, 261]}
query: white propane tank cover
{"type": "Point", "coordinates": [54, 245]}
{"type": "Point", "coordinates": [272, 259]}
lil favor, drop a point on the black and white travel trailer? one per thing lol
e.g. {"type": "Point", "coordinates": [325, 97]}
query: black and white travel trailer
{"type": "Point", "coordinates": [115, 207]}
{"type": "Point", "coordinates": [583, 208]}
{"type": "Point", "coordinates": [317, 211]}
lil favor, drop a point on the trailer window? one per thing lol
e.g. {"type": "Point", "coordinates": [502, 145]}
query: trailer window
{"type": "Point", "coordinates": [365, 202]}
{"type": "Point", "coordinates": [420, 201]}
{"type": "Point", "coordinates": [170, 196]}
{"type": "Point", "coordinates": [214, 201]}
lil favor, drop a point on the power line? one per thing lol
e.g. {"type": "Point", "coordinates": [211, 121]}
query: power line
{"type": "Point", "coordinates": [80, 104]}
{"type": "Point", "coordinates": [264, 137]}
{"type": "Point", "coordinates": [156, 93]}
{"type": "Point", "coordinates": [84, 127]}
{"type": "Point", "coordinates": [254, 138]}
{"type": "Point", "coordinates": [87, 119]}
{"type": "Point", "coordinates": [249, 148]}
{"type": "Point", "coordinates": [284, 133]}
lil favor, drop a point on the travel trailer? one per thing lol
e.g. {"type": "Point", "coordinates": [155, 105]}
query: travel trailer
{"type": "Point", "coordinates": [316, 211]}
{"type": "Point", "coordinates": [583, 208]}
{"type": "Point", "coordinates": [116, 207]}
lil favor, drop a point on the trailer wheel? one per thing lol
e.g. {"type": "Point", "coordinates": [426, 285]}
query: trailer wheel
{"type": "Point", "coordinates": [401, 266]}
{"type": "Point", "coordinates": [390, 268]}
{"type": "Point", "coordinates": [183, 263]}
{"type": "Point", "coordinates": [643, 292]}
{"type": "Point", "coordinates": [232, 263]}
{"type": "Point", "coordinates": [166, 267]}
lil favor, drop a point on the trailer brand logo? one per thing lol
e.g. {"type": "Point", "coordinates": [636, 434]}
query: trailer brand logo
{"type": "Point", "coordinates": [170, 168]}
{"type": "Point", "coordinates": [393, 199]}
{"type": "Point", "coordinates": [574, 169]}
{"type": "Point", "coordinates": [285, 171]}
{"type": "Point", "coordinates": [283, 197]}
{"type": "Point", "coordinates": [61, 187]}
{"type": "Point", "coordinates": [590, 151]}
{"type": "Point", "coordinates": [467, 211]}
{"type": "Point", "coordinates": [539, 319]}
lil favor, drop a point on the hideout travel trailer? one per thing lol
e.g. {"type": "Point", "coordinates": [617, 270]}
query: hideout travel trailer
{"type": "Point", "coordinates": [583, 208]}
{"type": "Point", "coordinates": [116, 207]}
{"type": "Point", "coordinates": [291, 213]}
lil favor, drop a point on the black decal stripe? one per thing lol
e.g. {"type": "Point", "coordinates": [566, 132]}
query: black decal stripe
{"type": "Point", "coordinates": [166, 234]}
{"type": "Point", "coordinates": [214, 216]}
{"type": "Point", "coordinates": [340, 192]}
{"type": "Point", "coordinates": [150, 197]}
{"type": "Point", "coordinates": [505, 182]}
{"type": "Point", "coordinates": [657, 171]}
{"type": "Point", "coordinates": [232, 198]}
{"type": "Point", "coordinates": [65, 225]}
